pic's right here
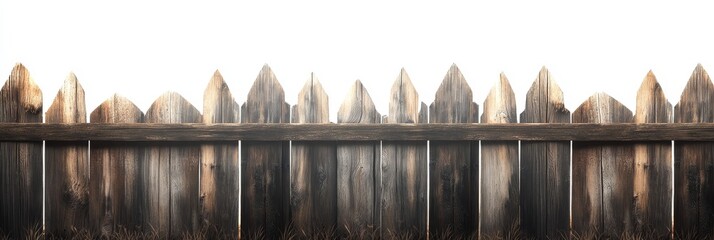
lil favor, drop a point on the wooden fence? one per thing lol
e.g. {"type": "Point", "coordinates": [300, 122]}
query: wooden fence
{"type": "Point", "coordinates": [418, 171]}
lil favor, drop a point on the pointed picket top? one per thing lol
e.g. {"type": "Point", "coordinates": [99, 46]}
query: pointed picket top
{"type": "Point", "coordinates": [171, 107]}
{"type": "Point", "coordinates": [544, 101]}
{"type": "Point", "coordinates": [20, 90]}
{"type": "Point", "coordinates": [117, 109]}
{"type": "Point", "coordinates": [697, 98]}
{"type": "Point", "coordinates": [219, 106]}
{"type": "Point", "coordinates": [652, 105]}
{"type": "Point", "coordinates": [500, 104]}
{"type": "Point", "coordinates": [68, 106]}
{"type": "Point", "coordinates": [453, 102]}
{"type": "Point", "coordinates": [266, 100]}
{"type": "Point", "coordinates": [404, 101]}
{"type": "Point", "coordinates": [312, 104]}
{"type": "Point", "coordinates": [602, 108]}
{"type": "Point", "coordinates": [358, 106]}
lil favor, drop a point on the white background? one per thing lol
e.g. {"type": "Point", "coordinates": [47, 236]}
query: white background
{"type": "Point", "coordinates": [142, 48]}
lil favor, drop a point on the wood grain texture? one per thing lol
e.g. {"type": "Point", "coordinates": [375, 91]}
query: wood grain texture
{"type": "Point", "coordinates": [499, 165]}
{"type": "Point", "coordinates": [358, 175]}
{"type": "Point", "coordinates": [313, 166]}
{"type": "Point", "coordinates": [172, 178]}
{"type": "Point", "coordinates": [220, 181]}
{"type": "Point", "coordinates": [116, 190]}
{"type": "Point", "coordinates": [545, 166]}
{"type": "Point", "coordinates": [265, 165]}
{"type": "Point", "coordinates": [403, 195]}
{"type": "Point", "coordinates": [454, 165]}
{"type": "Point", "coordinates": [67, 165]}
{"type": "Point", "coordinates": [603, 173]}
{"type": "Point", "coordinates": [20, 162]}
{"type": "Point", "coordinates": [653, 164]}
{"type": "Point", "coordinates": [694, 161]}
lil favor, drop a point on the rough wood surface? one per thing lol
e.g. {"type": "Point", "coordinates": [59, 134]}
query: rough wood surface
{"type": "Point", "coordinates": [358, 175]}
{"type": "Point", "coordinates": [220, 181]}
{"type": "Point", "coordinates": [172, 178]}
{"type": "Point", "coordinates": [116, 190]}
{"type": "Point", "coordinates": [265, 165]}
{"type": "Point", "coordinates": [653, 164]}
{"type": "Point", "coordinates": [454, 165]}
{"type": "Point", "coordinates": [602, 173]}
{"type": "Point", "coordinates": [499, 165]}
{"type": "Point", "coordinates": [403, 167]}
{"type": "Point", "coordinates": [20, 162]}
{"type": "Point", "coordinates": [694, 161]}
{"type": "Point", "coordinates": [545, 166]}
{"type": "Point", "coordinates": [313, 166]}
{"type": "Point", "coordinates": [67, 165]}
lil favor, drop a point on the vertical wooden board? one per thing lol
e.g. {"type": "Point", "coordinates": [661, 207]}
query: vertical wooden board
{"type": "Point", "coordinates": [20, 162]}
{"type": "Point", "coordinates": [313, 166]}
{"type": "Point", "coordinates": [403, 195]}
{"type": "Point", "coordinates": [220, 182]}
{"type": "Point", "coordinates": [499, 163]}
{"type": "Point", "coordinates": [453, 165]}
{"type": "Point", "coordinates": [173, 171]}
{"type": "Point", "coordinates": [265, 165]}
{"type": "Point", "coordinates": [545, 166]}
{"type": "Point", "coordinates": [67, 165]}
{"type": "Point", "coordinates": [605, 202]}
{"type": "Point", "coordinates": [653, 164]}
{"type": "Point", "coordinates": [116, 190]}
{"type": "Point", "coordinates": [693, 161]}
{"type": "Point", "coordinates": [357, 171]}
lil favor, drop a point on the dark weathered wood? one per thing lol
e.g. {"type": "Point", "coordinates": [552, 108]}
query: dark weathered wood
{"type": "Point", "coordinates": [172, 178]}
{"type": "Point", "coordinates": [403, 195]}
{"type": "Point", "coordinates": [545, 166]}
{"type": "Point", "coordinates": [499, 165]}
{"type": "Point", "coordinates": [20, 162]}
{"type": "Point", "coordinates": [265, 165]}
{"type": "Point", "coordinates": [653, 164]}
{"type": "Point", "coordinates": [454, 174]}
{"type": "Point", "coordinates": [313, 166]}
{"type": "Point", "coordinates": [603, 173]}
{"type": "Point", "coordinates": [67, 165]}
{"type": "Point", "coordinates": [116, 190]}
{"type": "Point", "coordinates": [358, 175]}
{"type": "Point", "coordinates": [694, 161]}
{"type": "Point", "coordinates": [220, 181]}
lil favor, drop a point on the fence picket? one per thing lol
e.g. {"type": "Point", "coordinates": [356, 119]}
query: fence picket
{"type": "Point", "coordinates": [694, 161]}
{"type": "Point", "coordinates": [173, 170]}
{"type": "Point", "coordinates": [499, 165]}
{"type": "Point", "coordinates": [358, 174]}
{"type": "Point", "coordinates": [220, 181]}
{"type": "Point", "coordinates": [20, 162]}
{"type": "Point", "coordinates": [403, 167]}
{"type": "Point", "coordinates": [265, 165]}
{"type": "Point", "coordinates": [67, 165]}
{"type": "Point", "coordinates": [653, 164]}
{"type": "Point", "coordinates": [453, 165]}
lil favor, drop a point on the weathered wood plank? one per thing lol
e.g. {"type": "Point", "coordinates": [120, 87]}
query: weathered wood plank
{"type": "Point", "coordinates": [454, 186]}
{"type": "Point", "coordinates": [220, 181]}
{"type": "Point", "coordinates": [545, 166]}
{"type": "Point", "coordinates": [603, 173]}
{"type": "Point", "coordinates": [20, 162]}
{"type": "Point", "coordinates": [403, 195]}
{"type": "Point", "coordinates": [67, 165]}
{"type": "Point", "coordinates": [358, 177]}
{"type": "Point", "coordinates": [499, 165]}
{"type": "Point", "coordinates": [116, 190]}
{"type": "Point", "coordinates": [653, 164]}
{"type": "Point", "coordinates": [313, 166]}
{"type": "Point", "coordinates": [265, 165]}
{"type": "Point", "coordinates": [173, 171]}
{"type": "Point", "coordinates": [694, 161]}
